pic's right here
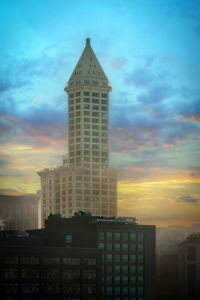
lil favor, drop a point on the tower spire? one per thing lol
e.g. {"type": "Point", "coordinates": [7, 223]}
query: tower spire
{"type": "Point", "coordinates": [88, 70]}
{"type": "Point", "coordinates": [88, 41]}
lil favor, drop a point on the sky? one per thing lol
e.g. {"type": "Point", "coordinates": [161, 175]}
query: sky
{"type": "Point", "coordinates": [150, 52]}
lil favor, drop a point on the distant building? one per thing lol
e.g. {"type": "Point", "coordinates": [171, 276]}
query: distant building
{"type": "Point", "coordinates": [82, 257]}
{"type": "Point", "coordinates": [189, 267]}
{"type": "Point", "coordinates": [19, 212]}
{"type": "Point", "coordinates": [84, 181]}
{"type": "Point", "coordinates": [168, 238]}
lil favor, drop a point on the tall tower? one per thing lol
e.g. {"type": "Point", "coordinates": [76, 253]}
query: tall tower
{"type": "Point", "coordinates": [85, 181]}
{"type": "Point", "coordinates": [88, 102]}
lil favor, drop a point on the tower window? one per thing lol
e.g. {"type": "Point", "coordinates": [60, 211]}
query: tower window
{"type": "Point", "coordinates": [95, 94]}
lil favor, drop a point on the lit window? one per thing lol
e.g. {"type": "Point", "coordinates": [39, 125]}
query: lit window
{"type": "Point", "coordinates": [117, 246]}
{"type": "Point", "coordinates": [101, 245]}
{"type": "Point", "coordinates": [109, 257]}
{"type": "Point", "coordinates": [109, 235]}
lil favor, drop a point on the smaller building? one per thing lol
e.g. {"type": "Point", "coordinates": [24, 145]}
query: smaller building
{"type": "Point", "coordinates": [189, 267]}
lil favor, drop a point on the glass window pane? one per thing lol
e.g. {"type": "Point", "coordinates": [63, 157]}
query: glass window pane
{"type": "Point", "coordinates": [109, 235]}
{"type": "Point", "coordinates": [117, 246]}
{"type": "Point", "coordinates": [117, 236]}
{"type": "Point", "coordinates": [125, 258]}
{"type": "Point", "coordinates": [101, 245]}
{"type": "Point", "coordinates": [109, 257]}
{"type": "Point", "coordinates": [109, 247]}
{"type": "Point", "coordinates": [140, 236]}
{"type": "Point", "coordinates": [117, 269]}
{"type": "Point", "coordinates": [125, 247]}
{"type": "Point", "coordinates": [125, 269]}
{"type": "Point", "coordinates": [133, 236]}
{"type": "Point", "coordinates": [125, 236]}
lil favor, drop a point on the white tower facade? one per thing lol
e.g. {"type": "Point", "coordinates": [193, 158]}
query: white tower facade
{"type": "Point", "coordinates": [84, 182]}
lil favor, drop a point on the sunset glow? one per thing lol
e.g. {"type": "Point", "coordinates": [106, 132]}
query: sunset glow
{"type": "Point", "coordinates": [149, 51]}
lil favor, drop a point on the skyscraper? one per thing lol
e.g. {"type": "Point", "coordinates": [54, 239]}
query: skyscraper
{"type": "Point", "coordinates": [84, 181]}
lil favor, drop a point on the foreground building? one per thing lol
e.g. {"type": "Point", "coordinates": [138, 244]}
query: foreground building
{"type": "Point", "coordinates": [82, 257]}
{"type": "Point", "coordinates": [84, 181]}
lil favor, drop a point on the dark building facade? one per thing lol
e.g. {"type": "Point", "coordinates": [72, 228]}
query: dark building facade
{"type": "Point", "coordinates": [189, 267]}
{"type": "Point", "coordinates": [82, 257]}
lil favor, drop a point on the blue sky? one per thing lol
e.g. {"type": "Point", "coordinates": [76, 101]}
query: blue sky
{"type": "Point", "coordinates": [149, 50]}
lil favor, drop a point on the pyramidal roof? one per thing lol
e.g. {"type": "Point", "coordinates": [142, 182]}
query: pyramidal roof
{"type": "Point", "coordinates": [88, 70]}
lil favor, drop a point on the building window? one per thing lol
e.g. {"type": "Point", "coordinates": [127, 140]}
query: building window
{"type": "Point", "coordinates": [117, 279]}
{"type": "Point", "coordinates": [11, 260]}
{"type": "Point", "coordinates": [30, 274]}
{"type": "Point", "coordinates": [109, 247]}
{"type": "Point", "coordinates": [140, 279]}
{"type": "Point", "coordinates": [10, 273]}
{"type": "Point", "coordinates": [132, 236]}
{"type": "Point", "coordinates": [140, 290]}
{"type": "Point", "coordinates": [140, 269]}
{"type": "Point", "coordinates": [132, 269]}
{"type": "Point", "coordinates": [125, 236]}
{"type": "Point", "coordinates": [109, 257]}
{"type": "Point", "coordinates": [95, 94]}
{"type": "Point", "coordinates": [50, 260]}
{"type": "Point", "coordinates": [124, 279]}
{"type": "Point", "coordinates": [91, 289]}
{"type": "Point", "coordinates": [11, 288]}
{"type": "Point", "coordinates": [90, 261]}
{"type": "Point", "coordinates": [132, 279]}
{"type": "Point", "coordinates": [117, 246]}
{"type": "Point", "coordinates": [117, 269]}
{"type": "Point", "coordinates": [51, 274]}
{"type": "Point", "coordinates": [132, 290]}
{"type": "Point", "coordinates": [29, 288]}
{"type": "Point", "coordinates": [125, 247]}
{"type": "Point", "coordinates": [109, 290]}
{"type": "Point", "coordinates": [125, 290]}
{"type": "Point", "coordinates": [109, 235]}
{"type": "Point", "coordinates": [71, 274]}
{"type": "Point", "coordinates": [124, 269]}
{"type": "Point", "coordinates": [109, 280]}
{"type": "Point", "coordinates": [30, 260]}
{"type": "Point", "coordinates": [89, 274]}
{"type": "Point", "coordinates": [101, 245]}
{"type": "Point", "coordinates": [117, 258]}
{"type": "Point", "coordinates": [51, 287]}
{"type": "Point", "coordinates": [71, 261]}
{"type": "Point", "coordinates": [132, 258]}
{"type": "Point", "coordinates": [140, 258]}
{"type": "Point", "coordinates": [132, 247]}
{"type": "Point", "coordinates": [125, 258]}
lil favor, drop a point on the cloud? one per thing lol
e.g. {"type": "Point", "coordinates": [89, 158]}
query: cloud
{"type": "Point", "coordinates": [9, 192]}
{"type": "Point", "coordinates": [189, 199]}
{"type": "Point", "coordinates": [156, 94]}
{"type": "Point", "coordinates": [8, 84]}
{"type": "Point", "coordinates": [118, 63]}
{"type": "Point", "coordinates": [140, 77]}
